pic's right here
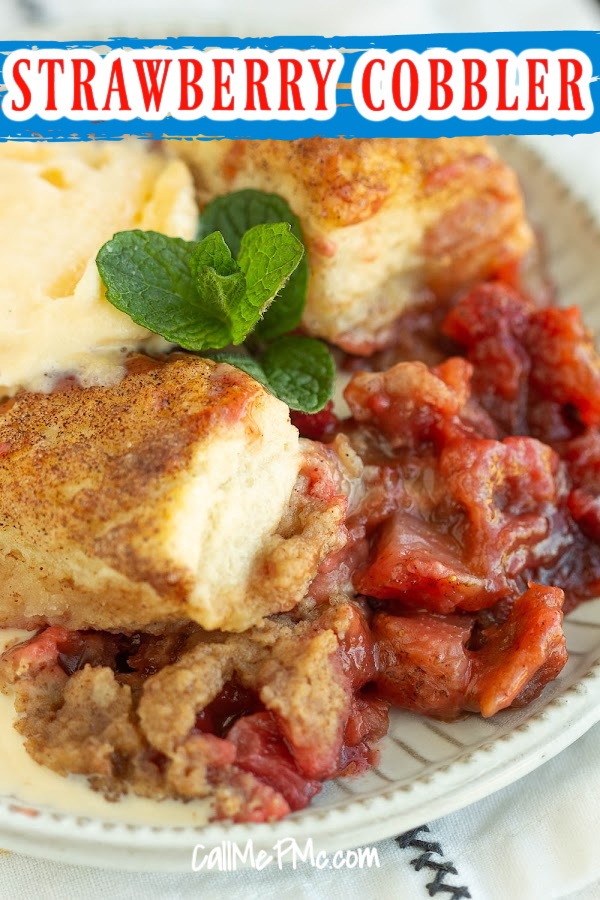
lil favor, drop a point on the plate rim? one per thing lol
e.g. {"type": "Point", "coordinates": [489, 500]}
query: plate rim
{"type": "Point", "coordinates": [83, 840]}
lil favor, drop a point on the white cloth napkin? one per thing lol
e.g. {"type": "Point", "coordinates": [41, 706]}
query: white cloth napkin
{"type": "Point", "coordinates": [535, 840]}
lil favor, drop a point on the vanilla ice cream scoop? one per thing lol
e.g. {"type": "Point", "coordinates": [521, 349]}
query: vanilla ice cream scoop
{"type": "Point", "coordinates": [59, 202]}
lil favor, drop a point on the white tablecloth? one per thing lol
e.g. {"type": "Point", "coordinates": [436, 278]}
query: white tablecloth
{"type": "Point", "coordinates": [536, 839]}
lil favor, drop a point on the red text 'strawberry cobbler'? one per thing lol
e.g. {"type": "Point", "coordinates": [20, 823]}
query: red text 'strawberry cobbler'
{"type": "Point", "coordinates": [472, 524]}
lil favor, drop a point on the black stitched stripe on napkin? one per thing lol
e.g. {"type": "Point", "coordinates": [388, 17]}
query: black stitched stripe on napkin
{"type": "Point", "coordinates": [425, 860]}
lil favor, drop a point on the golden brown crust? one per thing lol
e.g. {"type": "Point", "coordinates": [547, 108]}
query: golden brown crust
{"type": "Point", "coordinates": [387, 221]}
{"type": "Point", "coordinates": [346, 181]}
{"type": "Point", "coordinates": [101, 510]}
{"type": "Point", "coordinates": [93, 468]}
{"type": "Point", "coordinates": [93, 456]}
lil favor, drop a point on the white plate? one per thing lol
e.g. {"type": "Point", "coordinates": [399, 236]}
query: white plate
{"type": "Point", "coordinates": [427, 769]}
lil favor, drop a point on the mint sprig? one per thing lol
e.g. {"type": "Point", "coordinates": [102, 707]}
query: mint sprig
{"type": "Point", "coordinates": [210, 294]}
{"type": "Point", "coordinates": [233, 215]}
{"type": "Point", "coordinates": [300, 371]}
{"type": "Point", "coordinates": [220, 283]}
{"type": "Point", "coordinates": [196, 294]}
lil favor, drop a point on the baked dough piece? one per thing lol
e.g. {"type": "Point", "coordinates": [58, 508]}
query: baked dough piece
{"type": "Point", "coordinates": [387, 221]}
{"type": "Point", "coordinates": [155, 500]}
{"type": "Point", "coordinates": [59, 202]}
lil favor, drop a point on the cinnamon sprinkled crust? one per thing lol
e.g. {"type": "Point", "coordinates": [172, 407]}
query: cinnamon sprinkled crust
{"type": "Point", "coordinates": [154, 500]}
{"type": "Point", "coordinates": [387, 221]}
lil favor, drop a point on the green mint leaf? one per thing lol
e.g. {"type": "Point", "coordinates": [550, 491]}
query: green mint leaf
{"type": "Point", "coordinates": [147, 275]}
{"type": "Point", "coordinates": [236, 213]}
{"type": "Point", "coordinates": [220, 284]}
{"type": "Point", "coordinates": [268, 255]}
{"type": "Point", "coordinates": [213, 252]}
{"type": "Point", "coordinates": [247, 364]}
{"type": "Point", "coordinates": [196, 295]}
{"type": "Point", "coordinates": [233, 215]}
{"type": "Point", "coordinates": [300, 371]}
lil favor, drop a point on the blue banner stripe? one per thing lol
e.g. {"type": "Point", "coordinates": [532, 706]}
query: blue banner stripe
{"type": "Point", "coordinates": [347, 121]}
